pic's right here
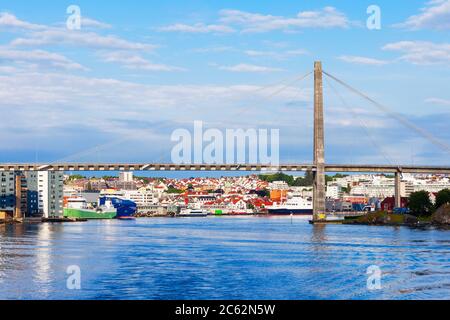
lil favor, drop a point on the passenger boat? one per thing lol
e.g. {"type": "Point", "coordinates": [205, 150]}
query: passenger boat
{"type": "Point", "coordinates": [296, 205]}
{"type": "Point", "coordinates": [192, 213]}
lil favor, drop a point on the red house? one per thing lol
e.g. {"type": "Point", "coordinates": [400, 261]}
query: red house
{"type": "Point", "coordinates": [388, 204]}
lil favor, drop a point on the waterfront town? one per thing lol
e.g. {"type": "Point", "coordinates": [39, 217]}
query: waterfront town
{"type": "Point", "coordinates": [196, 154]}
{"type": "Point", "coordinates": [47, 194]}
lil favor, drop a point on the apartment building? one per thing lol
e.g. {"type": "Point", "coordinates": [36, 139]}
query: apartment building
{"type": "Point", "coordinates": [49, 188]}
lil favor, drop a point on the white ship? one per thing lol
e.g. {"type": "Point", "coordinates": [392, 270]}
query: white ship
{"type": "Point", "coordinates": [296, 205]}
{"type": "Point", "coordinates": [192, 213]}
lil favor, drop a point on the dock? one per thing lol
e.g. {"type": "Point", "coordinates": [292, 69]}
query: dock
{"type": "Point", "coordinates": [336, 217]}
{"type": "Point", "coordinates": [326, 222]}
{"type": "Point", "coordinates": [11, 221]}
{"type": "Point", "coordinates": [62, 220]}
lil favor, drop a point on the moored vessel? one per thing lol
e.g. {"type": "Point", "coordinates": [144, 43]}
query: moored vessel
{"type": "Point", "coordinates": [126, 218]}
{"type": "Point", "coordinates": [77, 208]}
{"type": "Point", "coordinates": [125, 209]}
{"type": "Point", "coordinates": [296, 205]}
{"type": "Point", "coordinates": [192, 213]}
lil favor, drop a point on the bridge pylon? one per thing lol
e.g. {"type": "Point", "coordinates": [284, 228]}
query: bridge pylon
{"type": "Point", "coordinates": [319, 145]}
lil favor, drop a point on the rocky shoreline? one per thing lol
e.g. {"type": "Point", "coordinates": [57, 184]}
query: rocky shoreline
{"type": "Point", "coordinates": [440, 219]}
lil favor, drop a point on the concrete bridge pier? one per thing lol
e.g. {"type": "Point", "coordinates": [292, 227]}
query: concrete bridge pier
{"type": "Point", "coordinates": [319, 145]}
{"type": "Point", "coordinates": [398, 192]}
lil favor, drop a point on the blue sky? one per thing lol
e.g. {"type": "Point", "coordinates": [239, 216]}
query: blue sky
{"type": "Point", "coordinates": [117, 88]}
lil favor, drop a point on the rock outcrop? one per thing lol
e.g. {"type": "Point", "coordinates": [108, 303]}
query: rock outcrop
{"type": "Point", "coordinates": [409, 219]}
{"type": "Point", "coordinates": [384, 218]}
{"type": "Point", "coordinates": [442, 215]}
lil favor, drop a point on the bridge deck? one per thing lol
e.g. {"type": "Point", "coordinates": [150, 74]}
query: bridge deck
{"type": "Point", "coordinates": [221, 167]}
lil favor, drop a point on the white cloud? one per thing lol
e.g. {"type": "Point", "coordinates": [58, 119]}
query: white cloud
{"type": "Point", "coordinates": [67, 113]}
{"type": "Point", "coordinates": [296, 52]}
{"type": "Point", "coordinates": [7, 69]}
{"type": "Point", "coordinates": [59, 100]}
{"type": "Point", "coordinates": [39, 56]}
{"type": "Point", "coordinates": [79, 38]}
{"type": "Point", "coordinates": [8, 20]}
{"type": "Point", "coordinates": [436, 15]}
{"type": "Point", "coordinates": [197, 28]}
{"type": "Point", "coordinates": [92, 23]}
{"type": "Point", "coordinates": [38, 35]}
{"type": "Point", "coordinates": [328, 17]}
{"type": "Point", "coordinates": [256, 53]}
{"type": "Point", "coordinates": [136, 62]}
{"type": "Point", "coordinates": [350, 122]}
{"type": "Point", "coordinates": [50, 89]}
{"type": "Point", "coordinates": [275, 54]}
{"type": "Point", "coordinates": [249, 68]}
{"type": "Point", "coordinates": [421, 52]}
{"type": "Point", "coordinates": [438, 101]}
{"type": "Point", "coordinates": [363, 60]}
{"type": "Point", "coordinates": [213, 49]}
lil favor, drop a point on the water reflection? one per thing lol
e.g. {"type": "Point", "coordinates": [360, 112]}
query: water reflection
{"type": "Point", "coordinates": [222, 258]}
{"type": "Point", "coordinates": [2, 253]}
{"type": "Point", "coordinates": [43, 256]}
{"type": "Point", "coordinates": [318, 233]}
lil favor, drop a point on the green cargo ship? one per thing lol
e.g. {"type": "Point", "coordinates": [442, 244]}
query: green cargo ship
{"type": "Point", "coordinates": [88, 214]}
{"type": "Point", "coordinates": [77, 208]}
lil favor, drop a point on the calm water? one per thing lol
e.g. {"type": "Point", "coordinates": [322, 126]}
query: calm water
{"type": "Point", "coordinates": [222, 258]}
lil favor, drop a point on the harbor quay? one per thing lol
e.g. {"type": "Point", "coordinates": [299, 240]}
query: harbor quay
{"type": "Point", "coordinates": [33, 197]}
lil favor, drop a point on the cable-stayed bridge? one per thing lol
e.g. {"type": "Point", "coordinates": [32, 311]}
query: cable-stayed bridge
{"type": "Point", "coordinates": [223, 167]}
{"type": "Point", "coordinates": [319, 167]}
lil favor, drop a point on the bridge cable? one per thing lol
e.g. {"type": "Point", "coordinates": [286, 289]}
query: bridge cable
{"type": "Point", "coordinates": [276, 92]}
{"type": "Point", "coordinates": [361, 122]}
{"type": "Point", "coordinates": [427, 135]}
{"type": "Point", "coordinates": [289, 84]}
{"type": "Point", "coordinates": [108, 144]}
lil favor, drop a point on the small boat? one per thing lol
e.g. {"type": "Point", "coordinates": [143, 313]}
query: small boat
{"type": "Point", "coordinates": [192, 213]}
{"type": "Point", "coordinates": [328, 218]}
{"type": "Point", "coordinates": [126, 218]}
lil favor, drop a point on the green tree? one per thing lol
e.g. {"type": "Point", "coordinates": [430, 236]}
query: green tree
{"type": "Point", "coordinates": [420, 203]}
{"type": "Point", "coordinates": [442, 197]}
{"type": "Point", "coordinates": [76, 177]}
{"type": "Point", "coordinates": [305, 181]}
{"type": "Point", "coordinates": [277, 177]}
{"type": "Point", "coordinates": [173, 190]}
{"type": "Point", "coordinates": [309, 178]}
